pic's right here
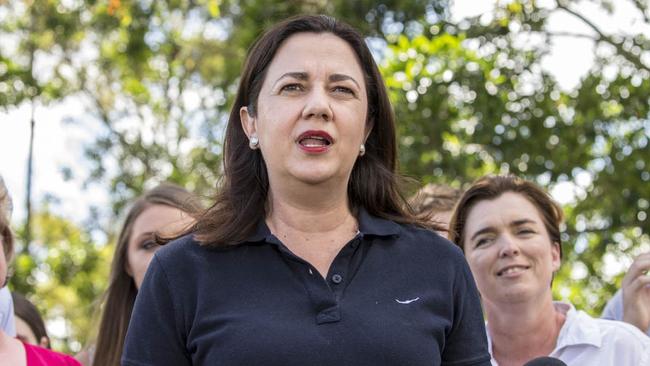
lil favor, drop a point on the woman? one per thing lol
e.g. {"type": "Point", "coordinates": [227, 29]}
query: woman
{"type": "Point", "coordinates": [509, 230]}
{"type": "Point", "coordinates": [164, 210]}
{"type": "Point", "coordinates": [12, 351]}
{"type": "Point", "coordinates": [307, 256]}
{"type": "Point", "coordinates": [30, 327]}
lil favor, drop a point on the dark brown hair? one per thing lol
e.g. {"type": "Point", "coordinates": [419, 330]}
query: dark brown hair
{"type": "Point", "coordinates": [120, 296]}
{"type": "Point", "coordinates": [242, 197]}
{"type": "Point", "coordinates": [492, 187]}
{"type": "Point", "coordinates": [26, 311]}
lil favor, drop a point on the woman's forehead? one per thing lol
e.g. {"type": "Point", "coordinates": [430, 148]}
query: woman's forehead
{"type": "Point", "coordinates": [508, 208]}
{"type": "Point", "coordinates": [311, 53]}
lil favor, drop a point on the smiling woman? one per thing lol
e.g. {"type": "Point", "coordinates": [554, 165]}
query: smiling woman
{"type": "Point", "coordinates": [308, 255]}
{"type": "Point", "coordinates": [509, 230]}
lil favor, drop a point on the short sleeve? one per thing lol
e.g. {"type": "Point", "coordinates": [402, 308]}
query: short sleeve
{"type": "Point", "coordinates": [154, 336]}
{"type": "Point", "coordinates": [614, 308]}
{"type": "Point", "coordinates": [466, 344]}
{"type": "Point", "coordinates": [7, 321]}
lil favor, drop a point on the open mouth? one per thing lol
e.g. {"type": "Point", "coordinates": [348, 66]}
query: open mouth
{"type": "Point", "coordinates": [512, 270]}
{"type": "Point", "coordinates": [315, 139]}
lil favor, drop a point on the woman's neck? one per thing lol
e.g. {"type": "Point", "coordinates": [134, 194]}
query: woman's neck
{"type": "Point", "coordinates": [523, 331]}
{"type": "Point", "coordinates": [308, 208]}
{"type": "Point", "coordinates": [314, 227]}
{"type": "Point", "coordinates": [308, 219]}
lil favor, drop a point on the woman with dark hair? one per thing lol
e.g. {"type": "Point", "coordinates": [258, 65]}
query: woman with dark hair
{"type": "Point", "coordinates": [12, 351]}
{"type": "Point", "coordinates": [308, 256]}
{"type": "Point", "coordinates": [509, 230]}
{"type": "Point", "coordinates": [30, 327]}
{"type": "Point", "coordinates": [164, 210]}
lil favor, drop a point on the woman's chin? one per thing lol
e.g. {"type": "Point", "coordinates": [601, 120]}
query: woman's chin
{"type": "Point", "coordinates": [315, 179]}
{"type": "Point", "coordinates": [316, 174]}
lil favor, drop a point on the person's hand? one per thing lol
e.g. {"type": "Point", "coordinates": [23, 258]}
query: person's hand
{"type": "Point", "coordinates": [636, 293]}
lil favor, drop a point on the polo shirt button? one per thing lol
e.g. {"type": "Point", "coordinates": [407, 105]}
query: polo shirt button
{"type": "Point", "coordinates": [337, 278]}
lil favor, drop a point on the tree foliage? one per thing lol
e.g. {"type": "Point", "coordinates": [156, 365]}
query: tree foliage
{"type": "Point", "coordinates": [473, 98]}
{"type": "Point", "coordinates": [64, 273]}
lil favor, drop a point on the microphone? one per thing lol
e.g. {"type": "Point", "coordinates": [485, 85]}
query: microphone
{"type": "Point", "coordinates": [545, 361]}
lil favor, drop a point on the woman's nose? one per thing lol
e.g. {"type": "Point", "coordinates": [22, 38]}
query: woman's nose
{"type": "Point", "coordinates": [508, 246]}
{"type": "Point", "coordinates": [317, 105]}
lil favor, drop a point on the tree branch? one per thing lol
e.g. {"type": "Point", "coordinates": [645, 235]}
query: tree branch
{"type": "Point", "coordinates": [572, 35]}
{"type": "Point", "coordinates": [602, 37]}
{"type": "Point", "coordinates": [640, 7]}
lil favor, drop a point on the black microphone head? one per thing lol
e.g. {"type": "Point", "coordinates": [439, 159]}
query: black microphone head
{"type": "Point", "coordinates": [545, 361]}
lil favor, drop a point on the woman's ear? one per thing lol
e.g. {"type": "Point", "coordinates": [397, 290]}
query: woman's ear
{"type": "Point", "coordinates": [127, 269]}
{"type": "Point", "coordinates": [248, 122]}
{"type": "Point", "coordinates": [555, 256]}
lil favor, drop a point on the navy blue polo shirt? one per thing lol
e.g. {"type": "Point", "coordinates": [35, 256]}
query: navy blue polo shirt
{"type": "Point", "coordinates": [394, 295]}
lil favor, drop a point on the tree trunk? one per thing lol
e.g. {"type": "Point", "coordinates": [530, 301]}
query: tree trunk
{"type": "Point", "coordinates": [28, 195]}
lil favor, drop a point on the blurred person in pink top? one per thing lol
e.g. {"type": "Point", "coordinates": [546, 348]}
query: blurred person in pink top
{"type": "Point", "coordinates": [13, 352]}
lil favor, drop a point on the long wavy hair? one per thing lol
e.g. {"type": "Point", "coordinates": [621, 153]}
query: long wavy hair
{"type": "Point", "coordinates": [374, 183]}
{"type": "Point", "coordinates": [119, 298]}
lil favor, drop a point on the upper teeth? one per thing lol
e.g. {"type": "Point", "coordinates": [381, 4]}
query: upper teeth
{"type": "Point", "coordinates": [511, 270]}
{"type": "Point", "coordinates": [315, 140]}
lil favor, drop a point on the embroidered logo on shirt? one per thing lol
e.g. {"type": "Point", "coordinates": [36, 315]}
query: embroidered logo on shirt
{"type": "Point", "coordinates": [407, 301]}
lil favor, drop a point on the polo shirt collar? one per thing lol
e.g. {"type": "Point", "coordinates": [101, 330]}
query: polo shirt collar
{"type": "Point", "coordinates": [262, 232]}
{"type": "Point", "coordinates": [372, 225]}
{"type": "Point", "coordinates": [578, 328]}
{"type": "Point", "coordinates": [368, 225]}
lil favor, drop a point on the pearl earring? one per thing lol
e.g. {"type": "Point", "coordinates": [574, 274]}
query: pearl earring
{"type": "Point", "coordinates": [362, 150]}
{"type": "Point", "coordinates": [254, 143]}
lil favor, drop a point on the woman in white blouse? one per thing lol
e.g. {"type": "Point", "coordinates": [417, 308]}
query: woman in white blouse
{"type": "Point", "coordinates": [509, 230]}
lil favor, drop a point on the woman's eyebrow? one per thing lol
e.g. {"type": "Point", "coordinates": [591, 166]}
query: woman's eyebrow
{"type": "Point", "coordinates": [488, 229]}
{"type": "Point", "coordinates": [522, 222]}
{"type": "Point", "coordinates": [342, 77]}
{"type": "Point", "coordinates": [296, 75]}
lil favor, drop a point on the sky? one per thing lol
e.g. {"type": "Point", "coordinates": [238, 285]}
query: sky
{"type": "Point", "coordinates": [59, 143]}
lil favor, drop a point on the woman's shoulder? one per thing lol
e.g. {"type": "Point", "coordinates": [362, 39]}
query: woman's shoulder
{"type": "Point", "coordinates": [424, 239]}
{"type": "Point", "coordinates": [180, 245]}
{"type": "Point", "coordinates": [615, 335]}
{"type": "Point", "coordinates": [624, 332]}
{"type": "Point", "coordinates": [37, 356]}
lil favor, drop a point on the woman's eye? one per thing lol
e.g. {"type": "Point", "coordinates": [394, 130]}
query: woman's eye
{"type": "Point", "coordinates": [148, 245]}
{"type": "Point", "coordinates": [525, 232]}
{"type": "Point", "coordinates": [291, 88]}
{"type": "Point", "coordinates": [482, 241]}
{"type": "Point", "coordinates": [343, 89]}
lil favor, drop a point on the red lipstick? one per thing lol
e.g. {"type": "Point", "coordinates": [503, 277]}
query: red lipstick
{"type": "Point", "coordinates": [315, 141]}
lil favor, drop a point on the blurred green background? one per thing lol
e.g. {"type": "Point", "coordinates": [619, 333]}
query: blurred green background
{"type": "Point", "coordinates": [472, 96]}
